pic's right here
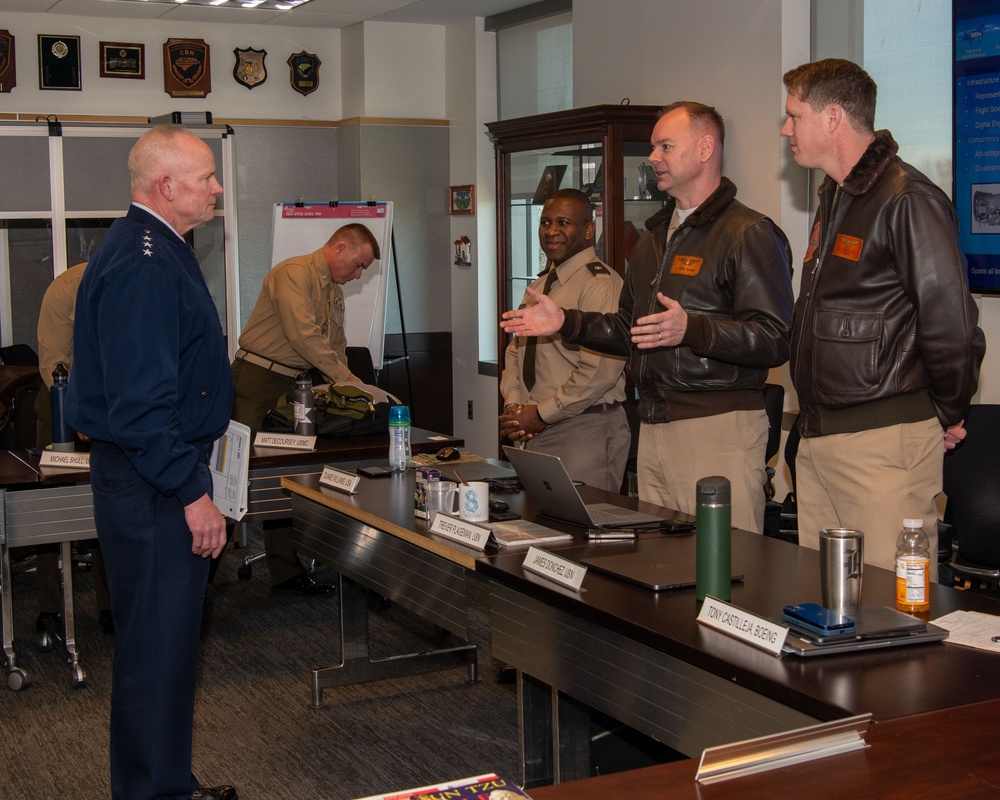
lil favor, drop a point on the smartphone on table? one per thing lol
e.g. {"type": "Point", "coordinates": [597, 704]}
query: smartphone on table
{"type": "Point", "coordinates": [819, 620]}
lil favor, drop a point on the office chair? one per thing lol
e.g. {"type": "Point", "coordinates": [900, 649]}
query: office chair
{"type": "Point", "coordinates": [359, 362]}
{"type": "Point", "coordinates": [774, 401]}
{"type": "Point", "coordinates": [789, 508]}
{"type": "Point", "coordinates": [972, 512]}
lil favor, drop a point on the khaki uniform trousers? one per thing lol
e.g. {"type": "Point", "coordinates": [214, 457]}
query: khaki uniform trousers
{"type": "Point", "coordinates": [255, 392]}
{"type": "Point", "coordinates": [674, 456]}
{"type": "Point", "coordinates": [593, 447]}
{"type": "Point", "coordinates": [870, 481]}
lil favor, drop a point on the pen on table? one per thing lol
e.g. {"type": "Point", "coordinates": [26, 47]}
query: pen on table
{"type": "Point", "coordinates": [605, 536]}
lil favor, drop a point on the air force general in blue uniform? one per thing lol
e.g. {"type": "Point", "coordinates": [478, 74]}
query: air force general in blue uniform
{"type": "Point", "coordinates": [151, 388]}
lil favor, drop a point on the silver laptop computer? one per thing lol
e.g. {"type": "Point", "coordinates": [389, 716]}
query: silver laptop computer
{"type": "Point", "coordinates": [658, 563]}
{"type": "Point", "coordinates": [549, 486]}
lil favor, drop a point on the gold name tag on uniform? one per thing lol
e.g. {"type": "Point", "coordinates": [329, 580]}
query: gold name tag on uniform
{"type": "Point", "coordinates": [686, 265]}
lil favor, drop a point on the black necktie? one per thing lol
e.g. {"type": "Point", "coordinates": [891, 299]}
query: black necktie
{"type": "Point", "coordinates": [528, 370]}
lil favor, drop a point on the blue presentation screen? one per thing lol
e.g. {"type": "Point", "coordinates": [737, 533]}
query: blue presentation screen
{"type": "Point", "coordinates": [976, 68]}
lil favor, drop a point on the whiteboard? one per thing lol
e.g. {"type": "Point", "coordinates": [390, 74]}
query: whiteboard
{"type": "Point", "coordinates": [301, 228]}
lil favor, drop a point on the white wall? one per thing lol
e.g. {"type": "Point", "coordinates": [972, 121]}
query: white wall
{"type": "Point", "coordinates": [404, 70]}
{"type": "Point", "coordinates": [471, 103]}
{"type": "Point", "coordinates": [718, 52]}
{"type": "Point", "coordinates": [273, 99]}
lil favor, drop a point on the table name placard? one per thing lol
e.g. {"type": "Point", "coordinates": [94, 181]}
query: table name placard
{"type": "Point", "coordinates": [467, 533]}
{"type": "Point", "coordinates": [559, 570]}
{"type": "Point", "coordinates": [339, 480]}
{"type": "Point", "coordinates": [740, 624]}
{"type": "Point", "coordinates": [286, 441]}
{"type": "Point", "coordinates": [54, 458]}
{"type": "Point", "coordinates": [727, 761]}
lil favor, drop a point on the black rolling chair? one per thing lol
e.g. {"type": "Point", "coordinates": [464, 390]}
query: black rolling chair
{"type": "Point", "coordinates": [789, 508]}
{"type": "Point", "coordinates": [359, 361]}
{"type": "Point", "coordinates": [774, 400]}
{"type": "Point", "coordinates": [972, 513]}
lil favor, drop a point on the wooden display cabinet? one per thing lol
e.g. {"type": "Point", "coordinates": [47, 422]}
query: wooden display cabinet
{"type": "Point", "coordinates": [601, 150]}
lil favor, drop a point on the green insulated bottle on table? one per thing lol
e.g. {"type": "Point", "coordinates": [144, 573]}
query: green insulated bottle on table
{"type": "Point", "coordinates": [713, 521]}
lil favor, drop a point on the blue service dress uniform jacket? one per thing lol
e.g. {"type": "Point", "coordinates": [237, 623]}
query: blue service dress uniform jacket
{"type": "Point", "coordinates": [151, 386]}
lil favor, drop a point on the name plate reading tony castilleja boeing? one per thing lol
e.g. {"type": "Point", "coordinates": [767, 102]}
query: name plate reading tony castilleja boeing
{"type": "Point", "coordinates": [734, 621]}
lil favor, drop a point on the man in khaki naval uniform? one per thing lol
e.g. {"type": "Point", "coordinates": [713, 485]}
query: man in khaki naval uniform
{"type": "Point", "coordinates": [561, 398]}
{"type": "Point", "coordinates": [297, 326]}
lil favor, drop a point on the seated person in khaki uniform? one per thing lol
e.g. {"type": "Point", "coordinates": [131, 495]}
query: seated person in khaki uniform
{"type": "Point", "coordinates": [296, 326]}
{"type": "Point", "coordinates": [55, 346]}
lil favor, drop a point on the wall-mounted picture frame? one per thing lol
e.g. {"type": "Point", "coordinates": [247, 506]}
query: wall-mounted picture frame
{"type": "Point", "coordinates": [59, 62]}
{"type": "Point", "coordinates": [462, 200]}
{"type": "Point", "coordinates": [123, 60]}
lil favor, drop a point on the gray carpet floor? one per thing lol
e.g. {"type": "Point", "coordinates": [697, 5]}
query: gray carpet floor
{"type": "Point", "coordinates": [254, 723]}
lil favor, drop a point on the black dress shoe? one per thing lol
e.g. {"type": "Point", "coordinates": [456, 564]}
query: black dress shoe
{"type": "Point", "coordinates": [303, 584]}
{"type": "Point", "coordinates": [224, 792]}
{"type": "Point", "coordinates": [106, 621]}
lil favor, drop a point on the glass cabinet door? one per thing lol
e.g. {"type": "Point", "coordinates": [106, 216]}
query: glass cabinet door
{"type": "Point", "coordinates": [601, 150]}
{"type": "Point", "coordinates": [534, 176]}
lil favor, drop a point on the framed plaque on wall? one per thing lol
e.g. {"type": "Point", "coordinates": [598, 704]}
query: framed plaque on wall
{"type": "Point", "coordinates": [59, 62]}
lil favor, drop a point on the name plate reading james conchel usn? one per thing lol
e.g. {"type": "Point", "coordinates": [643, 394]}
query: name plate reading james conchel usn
{"type": "Point", "coordinates": [559, 570]}
{"type": "Point", "coordinates": [467, 533]}
{"type": "Point", "coordinates": [339, 480]}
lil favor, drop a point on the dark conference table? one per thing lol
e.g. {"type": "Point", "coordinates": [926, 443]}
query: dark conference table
{"type": "Point", "coordinates": [43, 506]}
{"type": "Point", "coordinates": [639, 655]}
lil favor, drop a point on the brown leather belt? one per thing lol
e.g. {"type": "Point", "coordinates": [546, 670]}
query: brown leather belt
{"type": "Point", "coordinates": [274, 366]}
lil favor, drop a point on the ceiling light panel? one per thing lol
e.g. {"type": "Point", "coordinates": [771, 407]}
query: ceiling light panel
{"type": "Point", "coordinates": [267, 5]}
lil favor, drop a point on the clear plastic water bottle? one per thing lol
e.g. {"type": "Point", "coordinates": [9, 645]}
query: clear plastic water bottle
{"type": "Point", "coordinates": [302, 405]}
{"type": "Point", "coordinates": [913, 567]}
{"type": "Point", "coordinates": [399, 438]}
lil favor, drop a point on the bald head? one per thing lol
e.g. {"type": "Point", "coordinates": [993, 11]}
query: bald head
{"type": "Point", "coordinates": [172, 172]}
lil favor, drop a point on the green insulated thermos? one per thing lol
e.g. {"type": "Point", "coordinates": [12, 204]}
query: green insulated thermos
{"type": "Point", "coordinates": [712, 539]}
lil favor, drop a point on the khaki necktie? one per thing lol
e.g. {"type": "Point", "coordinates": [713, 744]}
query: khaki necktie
{"type": "Point", "coordinates": [528, 369]}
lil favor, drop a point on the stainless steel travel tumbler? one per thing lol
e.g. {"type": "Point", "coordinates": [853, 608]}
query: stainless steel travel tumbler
{"type": "Point", "coordinates": [841, 565]}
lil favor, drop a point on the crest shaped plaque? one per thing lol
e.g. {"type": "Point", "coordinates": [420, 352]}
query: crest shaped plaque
{"type": "Point", "coordinates": [249, 68]}
{"type": "Point", "coordinates": [8, 74]}
{"type": "Point", "coordinates": [187, 71]}
{"type": "Point", "coordinates": [304, 74]}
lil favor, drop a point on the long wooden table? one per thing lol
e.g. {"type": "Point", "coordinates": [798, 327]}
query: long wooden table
{"type": "Point", "coordinates": [949, 753]}
{"type": "Point", "coordinates": [639, 655]}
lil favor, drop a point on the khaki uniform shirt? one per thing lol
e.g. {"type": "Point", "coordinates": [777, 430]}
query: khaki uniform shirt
{"type": "Point", "coordinates": [569, 379]}
{"type": "Point", "coordinates": [298, 320]}
{"type": "Point", "coordinates": [55, 322]}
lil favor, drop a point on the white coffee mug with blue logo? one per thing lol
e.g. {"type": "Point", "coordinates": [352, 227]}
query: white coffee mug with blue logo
{"type": "Point", "coordinates": [474, 501]}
